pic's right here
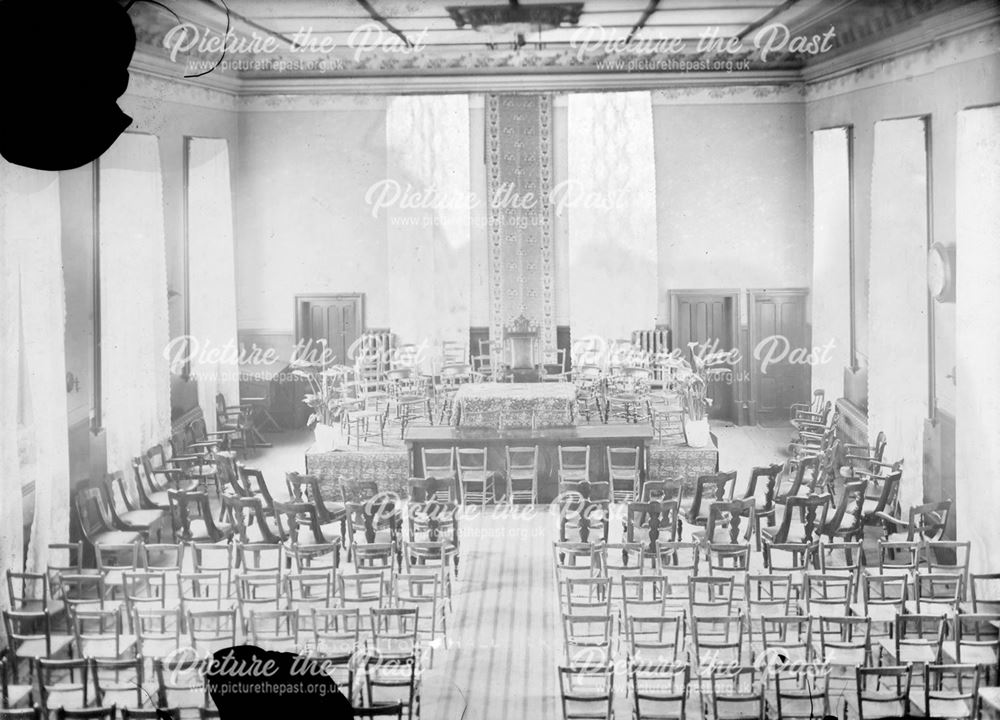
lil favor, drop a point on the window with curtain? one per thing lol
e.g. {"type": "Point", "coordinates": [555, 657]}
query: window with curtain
{"type": "Point", "coordinates": [610, 197]}
{"type": "Point", "coordinates": [898, 374]}
{"type": "Point", "coordinates": [429, 242]}
{"type": "Point", "coordinates": [135, 376]}
{"type": "Point", "coordinates": [211, 274]}
{"type": "Point", "coordinates": [831, 291]}
{"type": "Point", "coordinates": [33, 367]}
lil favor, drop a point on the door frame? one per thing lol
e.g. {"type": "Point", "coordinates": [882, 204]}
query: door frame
{"type": "Point", "coordinates": [754, 369]}
{"type": "Point", "coordinates": [306, 297]}
{"type": "Point", "coordinates": [738, 394]}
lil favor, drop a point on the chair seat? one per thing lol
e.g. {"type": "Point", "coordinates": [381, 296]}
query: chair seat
{"type": "Point", "coordinates": [874, 710]}
{"type": "Point", "coordinates": [199, 530]}
{"type": "Point", "coordinates": [160, 499]}
{"type": "Point", "coordinates": [330, 532]}
{"type": "Point", "coordinates": [382, 537]}
{"type": "Point", "coordinates": [108, 647]}
{"type": "Point", "coordinates": [335, 508]}
{"type": "Point", "coordinates": [141, 518]}
{"type": "Point", "coordinates": [943, 707]}
{"type": "Point", "coordinates": [35, 647]}
{"type": "Point", "coordinates": [878, 613]}
{"type": "Point", "coordinates": [971, 654]}
{"type": "Point", "coordinates": [159, 648]}
{"type": "Point", "coordinates": [17, 695]}
{"type": "Point", "coordinates": [909, 653]}
{"type": "Point", "coordinates": [117, 537]}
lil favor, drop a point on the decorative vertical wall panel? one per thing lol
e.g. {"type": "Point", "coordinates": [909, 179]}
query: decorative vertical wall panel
{"type": "Point", "coordinates": [519, 184]}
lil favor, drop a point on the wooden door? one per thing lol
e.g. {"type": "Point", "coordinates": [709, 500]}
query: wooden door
{"type": "Point", "coordinates": [779, 353]}
{"type": "Point", "coordinates": [337, 320]}
{"type": "Point", "coordinates": [708, 319]}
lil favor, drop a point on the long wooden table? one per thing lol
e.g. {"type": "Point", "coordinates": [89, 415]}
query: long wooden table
{"type": "Point", "coordinates": [597, 437]}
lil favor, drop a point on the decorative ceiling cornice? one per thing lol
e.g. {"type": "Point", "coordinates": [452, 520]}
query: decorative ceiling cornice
{"type": "Point", "coordinates": [908, 62]}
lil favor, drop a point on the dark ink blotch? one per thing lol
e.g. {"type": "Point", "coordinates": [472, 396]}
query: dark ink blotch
{"type": "Point", "coordinates": [240, 677]}
{"type": "Point", "coordinates": [65, 64]}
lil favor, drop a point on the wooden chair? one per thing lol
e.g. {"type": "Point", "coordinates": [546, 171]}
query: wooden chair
{"type": "Point", "coordinates": [623, 473]}
{"type": "Point", "coordinates": [95, 519]}
{"type": "Point", "coordinates": [722, 527]}
{"type": "Point", "coordinates": [128, 507]}
{"type": "Point", "coordinates": [649, 523]}
{"type": "Point", "coordinates": [29, 636]}
{"type": "Point", "coordinates": [582, 519]}
{"type": "Point", "coordinates": [475, 479]}
{"type": "Point", "coordinates": [763, 495]}
{"type": "Point", "coordinates": [875, 697]}
{"type": "Point", "coordinates": [192, 517]}
{"type": "Point", "coordinates": [522, 474]}
{"type": "Point", "coordinates": [802, 521]}
{"type": "Point", "coordinates": [251, 524]}
{"type": "Point", "coordinates": [439, 464]}
{"type": "Point", "coordinates": [708, 489]}
{"type": "Point", "coordinates": [887, 501]}
{"type": "Point", "coordinates": [431, 489]}
{"type": "Point", "coordinates": [925, 522]}
{"type": "Point", "coordinates": [587, 691]}
{"type": "Point", "coordinates": [300, 523]}
{"type": "Point", "coordinates": [12, 696]}
{"type": "Point", "coordinates": [736, 693]}
{"type": "Point", "coordinates": [234, 422]}
{"type": "Point", "coordinates": [306, 488]}
{"type": "Point", "coordinates": [574, 463]}
{"type": "Point", "coordinates": [847, 522]}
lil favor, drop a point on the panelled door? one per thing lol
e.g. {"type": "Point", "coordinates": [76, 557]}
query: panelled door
{"type": "Point", "coordinates": [779, 353]}
{"type": "Point", "coordinates": [708, 319]}
{"type": "Point", "coordinates": [337, 320]}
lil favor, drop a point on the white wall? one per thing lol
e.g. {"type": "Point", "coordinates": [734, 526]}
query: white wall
{"type": "Point", "coordinates": [732, 194]}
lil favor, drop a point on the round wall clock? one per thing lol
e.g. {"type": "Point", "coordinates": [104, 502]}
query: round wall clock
{"type": "Point", "coordinates": [941, 272]}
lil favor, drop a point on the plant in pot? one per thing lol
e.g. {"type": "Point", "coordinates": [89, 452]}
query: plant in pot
{"type": "Point", "coordinates": [696, 405]}
{"type": "Point", "coordinates": [327, 385]}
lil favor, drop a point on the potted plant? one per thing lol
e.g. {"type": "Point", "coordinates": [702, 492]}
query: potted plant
{"type": "Point", "coordinates": [327, 386]}
{"type": "Point", "coordinates": [696, 405]}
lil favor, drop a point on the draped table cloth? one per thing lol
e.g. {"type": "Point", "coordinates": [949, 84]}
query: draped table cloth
{"type": "Point", "coordinates": [514, 405]}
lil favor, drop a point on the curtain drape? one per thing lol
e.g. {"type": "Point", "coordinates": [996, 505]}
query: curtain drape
{"type": "Point", "coordinates": [611, 200]}
{"type": "Point", "coordinates": [898, 375]}
{"type": "Point", "coordinates": [831, 257]}
{"type": "Point", "coordinates": [11, 531]}
{"type": "Point", "coordinates": [134, 331]}
{"type": "Point", "coordinates": [35, 448]}
{"type": "Point", "coordinates": [429, 240]}
{"type": "Point", "coordinates": [977, 215]}
{"type": "Point", "coordinates": [212, 283]}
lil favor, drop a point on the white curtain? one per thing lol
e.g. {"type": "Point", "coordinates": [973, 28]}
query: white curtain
{"type": "Point", "coordinates": [428, 239]}
{"type": "Point", "coordinates": [898, 375]}
{"type": "Point", "coordinates": [212, 283]}
{"type": "Point", "coordinates": [11, 530]}
{"type": "Point", "coordinates": [35, 446]}
{"type": "Point", "coordinates": [831, 257]}
{"type": "Point", "coordinates": [134, 368]}
{"type": "Point", "coordinates": [977, 216]}
{"type": "Point", "coordinates": [611, 200]}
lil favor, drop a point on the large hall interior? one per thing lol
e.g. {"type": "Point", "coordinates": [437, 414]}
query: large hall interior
{"type": "Point", "coordinates": [521, 359]}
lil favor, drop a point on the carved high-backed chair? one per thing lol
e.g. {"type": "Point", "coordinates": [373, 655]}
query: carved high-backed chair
{"type": "Point", "coordinates": [521, 350]}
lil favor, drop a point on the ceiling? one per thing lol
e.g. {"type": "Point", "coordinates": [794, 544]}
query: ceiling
{"type": "Point", "coordinates": [386, 38]}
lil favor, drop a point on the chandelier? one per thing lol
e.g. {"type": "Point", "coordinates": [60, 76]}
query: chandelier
{"type": "Point", "coordinates": [514, 18]}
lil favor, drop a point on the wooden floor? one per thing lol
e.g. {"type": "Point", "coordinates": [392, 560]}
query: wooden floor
{"type": "Point", "coordinates": [505, 639]}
